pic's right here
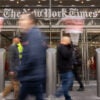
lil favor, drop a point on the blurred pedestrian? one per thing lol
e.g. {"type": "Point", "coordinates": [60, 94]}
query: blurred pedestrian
{"type": "Point", "coordinates": [65, 65]}
{"type": "Point", "coordinates": [77, 67]}
{"type": "Point", "coordinates": [14, 61]}
{"type": "Point", "coordinates": [31, 72]}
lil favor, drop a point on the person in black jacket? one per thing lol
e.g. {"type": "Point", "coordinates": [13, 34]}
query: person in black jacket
{"type": "Point", "coordinates": [65, 65]}
{"type": "Point", "coordinates": [31, 72]}
{"type": "Point", "coordinates": [77, 65]}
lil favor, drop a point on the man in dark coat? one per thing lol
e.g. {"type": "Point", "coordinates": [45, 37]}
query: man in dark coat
{"type": "Point", "coordinates": [31, 72]}
{"type": "Point", "coordinates": [65, 65]}
{"type": "Point", "coordinates": [14, 61]}
{"type": "Point", "coordinates": [77, 66]}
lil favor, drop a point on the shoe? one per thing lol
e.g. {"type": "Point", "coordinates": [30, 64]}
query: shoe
{"type": "Point", "coordinates": [1, 97]}
{"type": "Point", "coordinates": [80, 89]}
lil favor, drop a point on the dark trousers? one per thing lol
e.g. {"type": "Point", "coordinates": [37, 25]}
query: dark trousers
{"type": "Point", "coordinates": [77, 77]}
{"type": "Point", "coordinates": [31, 88]}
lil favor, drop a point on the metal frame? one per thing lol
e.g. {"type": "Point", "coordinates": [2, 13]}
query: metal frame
{"type": "Point", "coordinates": [52, 6]}
{"type": "Point", "coordinates": [54, 26]}
{"type": "Point", "coordinates": [2, 68]}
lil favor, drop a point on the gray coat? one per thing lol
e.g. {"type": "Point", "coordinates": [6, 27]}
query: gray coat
{"type": "Point", "coordinates": [13, 57]}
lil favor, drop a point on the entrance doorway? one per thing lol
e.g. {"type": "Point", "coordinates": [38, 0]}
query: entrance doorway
{"type": "Point", "coordinates": [89, 41]}
{"type": "Point", "coordinates": [93, 38]}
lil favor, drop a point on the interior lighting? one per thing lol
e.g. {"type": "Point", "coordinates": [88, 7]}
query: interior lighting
{"type": "Point", "coordinates": [77, 0]}
{"type": "Point", "coordinates": [17, 2]}
{"type": "Point", "coordinates": [60, 2]}
{"type": "Point", "coordinates": [39, 2]}
{"type": "Point", "coordinates": [11, 0]}
{"type": "Point", "coordinates": [82, 1]}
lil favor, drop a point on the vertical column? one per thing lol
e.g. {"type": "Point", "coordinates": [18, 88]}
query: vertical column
{"type": "Point", "coordinates": [50, 25]}
{"type": "Point", "coordinates": [51, 72]}
{"type": "Point", "coordinates": [2, 68]}
{"type": "Point", "coordinates": [0, 40]}
{"type": "Point", "coordinates": [98, 70]}
{"type": "Point", "coordinates": [85, 68]}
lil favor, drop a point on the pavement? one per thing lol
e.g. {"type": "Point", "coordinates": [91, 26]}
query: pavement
{"type": "Point", "coordinates": [90, 93]}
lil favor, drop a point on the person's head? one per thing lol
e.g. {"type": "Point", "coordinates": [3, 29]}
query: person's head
{"type": "Point", "coordinates": [65, 40]}
{"type": "Point", "coordinates": [27, 21]}
{"type": "Point", "coordinates": [16, 40]}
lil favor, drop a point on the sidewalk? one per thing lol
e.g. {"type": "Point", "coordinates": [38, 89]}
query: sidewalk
{"type": "Point", "coordinates": [90, 93]}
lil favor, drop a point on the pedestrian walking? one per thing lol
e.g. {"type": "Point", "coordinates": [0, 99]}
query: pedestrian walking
{"type": "Point", "coordinates": [65, 65]}
{"type": "Point", "coordinates": [31, 72]}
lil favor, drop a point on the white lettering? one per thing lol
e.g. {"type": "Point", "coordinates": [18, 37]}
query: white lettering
{"type": "Point", "coordinates": [72, 11]}
{"type": "Point", "coordinates": [95, 14]}
{"type": "Point", "coordinates": [6, 13]}
{"type": "Point", "coordinates": [64, 12]}
{"type": "Point", "coordinates": [47, 13]}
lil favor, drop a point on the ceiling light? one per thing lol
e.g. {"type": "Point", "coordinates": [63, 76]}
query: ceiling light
{"type": "Point", "coordinates": [17, 2]}
{"type": "Point", "coordinates": [43, 0]}
{"type": "Point", "coordinates": [92, 5]}
{"type": "Point", "coordinates": [55, 0]}
{"type": "Point", "coordinates": [39, 1]}
{"type": "Point", "coordinates": [11, 0]}
{"type": "Point", "coordinates": [60, 2]}
{"type": "Point", "coordinates": [73, 5]}
{"type": "Point", "coordinates": [82, 2]}
{"type": "Point", "coordinates": [77, 0]}
{"type": "Point", "coordinates": [88, 0]}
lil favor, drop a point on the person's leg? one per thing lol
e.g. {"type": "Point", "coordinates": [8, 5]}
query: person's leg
{"type": "Point", "coordinates": [24, 91]}
{"type": "Point", "coordinates": [59, 91]}
{"type": "Point", "coordinates": [16, 86]}
{"type": "Point", "coordinates": [39, 95]}
{"type": "Point", "coordinates": [7, 90]}
{"type": "Point", "coordinates": [71, 87]}
{"type": "Point", "coordinates": [38, 90]}
{"type": "Point", "coordinates": [78, 79]}
{"type": "Point", "coordinates": [67, 79]}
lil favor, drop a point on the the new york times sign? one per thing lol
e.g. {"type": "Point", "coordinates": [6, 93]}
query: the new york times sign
{"type": "Point", "coordinates": [53, 13]}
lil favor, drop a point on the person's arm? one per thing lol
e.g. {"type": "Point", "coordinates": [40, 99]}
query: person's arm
{"type": "Point", "coordinates": [11, 58]}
